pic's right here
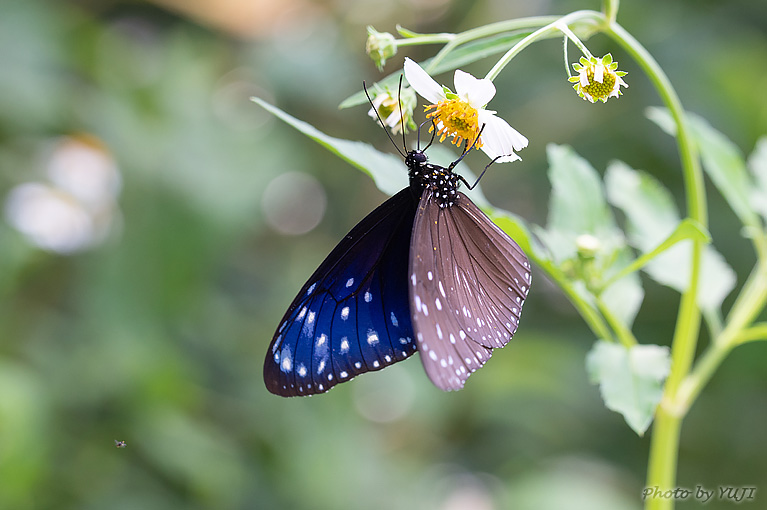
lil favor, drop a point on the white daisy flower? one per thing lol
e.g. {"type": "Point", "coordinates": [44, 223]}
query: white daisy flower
{"type": "Point", "coordinates": [461, 115]}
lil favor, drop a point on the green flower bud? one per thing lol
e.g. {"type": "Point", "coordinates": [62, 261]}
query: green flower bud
{"type": "Point", "coordinates": [380, 46]}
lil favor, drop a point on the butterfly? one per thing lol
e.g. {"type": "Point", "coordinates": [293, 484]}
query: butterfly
{"type": "Point", "coordinates": [426, 271]}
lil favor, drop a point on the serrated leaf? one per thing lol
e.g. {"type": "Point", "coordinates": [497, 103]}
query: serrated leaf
{"type": "Point", "coordinates": [722, 161]}
{"type": "Point", "coordinates": [757, 163]}
{"type": "Point", "coordinates": [651, 216]}
{"type": "Point", "coordinates": [630, 379]}
{"type": "Point", "coordinates": [385, 169]}
{"type": "Point", "coordinates": [461, 56]}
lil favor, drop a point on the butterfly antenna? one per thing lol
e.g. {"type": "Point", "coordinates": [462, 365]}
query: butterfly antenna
{"type": "Point", "coordinates": [452, 165]}
{"type": "Point", "coordinates": [433, 133]}
{"type": "Point", "coordinates": [401, 113]}
{"type": "Point", "coordinates": [364, 87]}
{"type": "Point", "coordinates": [472, 186]}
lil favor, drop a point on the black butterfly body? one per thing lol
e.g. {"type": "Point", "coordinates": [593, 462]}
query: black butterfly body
{"type": "Point", "coordinates": [426, 270]}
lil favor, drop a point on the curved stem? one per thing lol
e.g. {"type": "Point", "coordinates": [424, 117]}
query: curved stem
{"type": "Point", "coordinates": [665, 439]}
{"type": "Point", "coordinates": [547, 32]}
{"type": "Point", "coordinates": [484, 31]}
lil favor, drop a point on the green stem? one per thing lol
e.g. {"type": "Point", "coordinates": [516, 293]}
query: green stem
{"type": "Point", "coordinates": [611, 10]}
{"type": "Point", "coordinates": [665, 438]}
{"type": "Point", "coordinates": [552, 29]}
{"type": "Point", "coordinates": [625, 336]}
{"type": "Point", "coordinates": [426, 39]}
{"type": "Point", "coordinates": [487, 31]}
{"type": "Point", "coordinates": [747, 307]}
{"type": "Point", "coordinates": [754, 333]}
{"type": "Point", "coordinates": [585, 309]}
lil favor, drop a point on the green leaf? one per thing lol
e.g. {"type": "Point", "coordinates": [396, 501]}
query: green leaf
{"type": "Point", "coordinates": [461, 56]}
{"type": "Point", "coordinates": [722, 161]}
{"type": "Point", "coordinates": [517, 230]}
{"type": "Point", "coordinates": [385, 169]}
{"type": "Point", "coordinates": [577, 205]}
{"type": "Point", "coordinates": [651, 217]}
{"type": "Point", "coordinates": [757, 163]}
{"type": "Point", "coordinates": [624, 295]}
{"type": "Point", "coordinates": [630, 379]}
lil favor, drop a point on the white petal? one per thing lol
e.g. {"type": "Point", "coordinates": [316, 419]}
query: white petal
{"type": "Point", "coordinates": [393, 119]}
{"type": "Point", "coordinates": [422, 82]}
{"type": "Point", "coordinates": [499, 138]}
{"type": "Point", "coordinates": [476, 92]}
{"type": "Point", "coordinates": [599, 73]}
{"type": "Point", "coordinates": [584, 78]}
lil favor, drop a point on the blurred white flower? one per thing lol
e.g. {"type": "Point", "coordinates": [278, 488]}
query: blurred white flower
{"type": "Point", "coordinates": [83, 168]}
{"type": "Point", "coordinates": [77, 210]}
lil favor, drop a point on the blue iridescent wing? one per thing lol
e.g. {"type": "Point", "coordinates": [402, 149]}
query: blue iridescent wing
{"type": "Point", "coordinates": [468, 282]}
{"type": "Point", "coordinates": [352, 315]}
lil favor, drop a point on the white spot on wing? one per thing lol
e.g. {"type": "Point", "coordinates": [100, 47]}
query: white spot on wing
{"type": "Point", "coordinates": [439, 305]}
{"type": "Point", "coordinates": [372, 337]}
{"type": "Point", "coordinates": [345, 312]}
{"type": "Point", "coordinates": [321, 340]}
{"type": "Point", "coordinates": [394, 321]}
{"type": "Point", "coordinates": [430, 276]}
{"type": "Point", "coordinates": [412, 279]}
{"type": "Point", "coordinates": [301, 370]}
{"type": "Point", "coordinates": [344, 345]}
{"type": "Point", "coordinates": [310, 318]}
{"type": "Point", "coordinates": [368, 297]}
{"type": "Point", "coordinates": [349, 282]}
{"type": "Point", "coordinates": [301, 314]}
{"type": "Point", "coordinates": [287, 360]}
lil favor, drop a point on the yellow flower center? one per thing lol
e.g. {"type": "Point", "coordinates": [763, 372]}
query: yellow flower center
{"type": "Point", "coordinates": [599, 90]}
{"type": "Point", "coordinates": [455, 118]}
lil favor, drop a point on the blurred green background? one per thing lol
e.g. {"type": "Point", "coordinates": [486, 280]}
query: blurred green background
{"type": "Point", "coordinates": [142, 310]}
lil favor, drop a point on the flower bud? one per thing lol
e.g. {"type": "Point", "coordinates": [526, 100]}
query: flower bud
{"type": "Point", "coordinates": [380, 46]}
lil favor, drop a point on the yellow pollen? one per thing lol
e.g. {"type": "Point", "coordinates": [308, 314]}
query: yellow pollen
{"type": "Point", "coordinates": [455, 118]}
{"type": "Point", "coordinates": [599, 90]}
